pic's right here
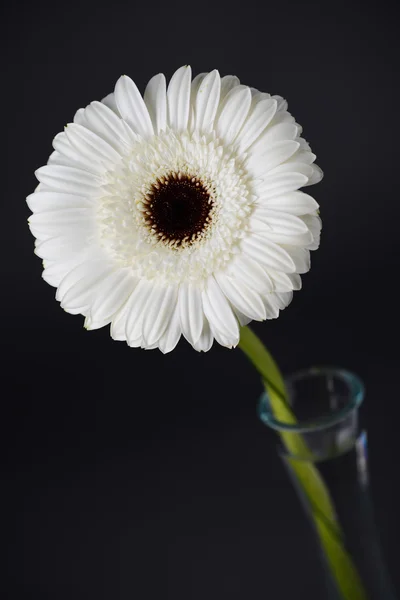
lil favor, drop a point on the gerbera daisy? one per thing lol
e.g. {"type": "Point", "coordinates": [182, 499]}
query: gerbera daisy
{"type": "Point", "coordinates": [177, 213]}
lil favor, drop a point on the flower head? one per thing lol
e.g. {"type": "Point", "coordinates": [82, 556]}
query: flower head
{"type": "Point", "coordinates": [177, 213]}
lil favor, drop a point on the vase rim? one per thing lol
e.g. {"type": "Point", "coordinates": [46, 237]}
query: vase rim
{"type": "Point", "coordinates": [356, 397]}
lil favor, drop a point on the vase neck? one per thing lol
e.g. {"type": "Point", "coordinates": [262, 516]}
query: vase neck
{"type": "Point", "coordinates": [322, 416]}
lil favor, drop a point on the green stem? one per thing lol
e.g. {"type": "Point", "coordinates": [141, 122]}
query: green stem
{"type": "Point", "coordinates": [257, 353]}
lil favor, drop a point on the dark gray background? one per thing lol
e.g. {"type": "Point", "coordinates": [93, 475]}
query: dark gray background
{"type": "Point", "coordinates": [130, 474]}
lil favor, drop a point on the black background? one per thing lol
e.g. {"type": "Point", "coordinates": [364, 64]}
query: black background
{"type": "Point", "coordinates": [132, 474]}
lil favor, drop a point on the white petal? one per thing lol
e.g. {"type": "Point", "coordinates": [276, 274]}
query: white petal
{"type": "Point", "coordinates": [234, 112]}
{"type": "Point", "coordinates": [284, 117]}
{"type": "Point", "coordinates": [161, 304]}
{"type": "Point", "coordinates": [277, 153]}
{"type": "Point", "coordinates": [223, 340]}
{"type": "Point", "coordinates": [304, 145]}
{"type": "Point", "coordinates": [243, 319]}
{"type": "Point", "coordinates": [295, 203]}
{"type": "Point", "coordinates": [316, 176]}
{"type": "Point", "coordinates": [303, 156]}
{"type": "Point", "coordinates": [258, 96]}
{"type": "Point", "coordinates": [59, 248]}
{"type": "Point", "coordinates": [79, 117]}
{"type": "Point", "coordinates": [205, 340]}
{"type": "Point", "coordinates": [283, 282]}
{"type": "Point", "coordinates": [191, 312]}
{"type": "Point", "coordinates": [111, 294]}
{"type": "Point", "coordinates": [282, 299]}
{"type": "Point", "coordinates": [227, 84]}
{"type": "Point", "coordinates": [40, 202]}
{"type": "Point", "coordinates": [172, 333]}
{"type": "Point", "coordinates": [155, 98]}
{"type": "Point", "coordinates": [279, 222]}
{"type": "Point", "coordinates": [68, 179]}
{"type": "Point", "coordinates": [63, 216]}
{"type": "Point", "coordinates": [207, 101]}
{"type": "Point", "coordinates": [300, 257]}
{"type": "Point", "coordinates": [178, 98]}
{"type": "Point", "coordinates": [91, 146]}
{"type": "Point", "coordinates": [136, 343]}
{"type": "Point", "coordinates": [268, 254]}
{"type": "Point", "coordinates": [276, 133]}
{"type": "Point", "coordinates": [250, 273]}
{"type": "Point", "coordinates": [299, 129]}
{"type": "Point", "coordinates": [271, 308]}
{"type": "Point", "coordinates": [91, 325]}
{"type": "Point", "coordinates": [196, 82]}
{"type": "Point", "coordinates": [78, 272]}
{"type": "Point", "coordinates": [118, 325]}
{"type": "Point", "coordinates": [258, 119]}
{"type": "Point", "coordinates": [111, 103]}
{"type": "Point", "coordinates": [69, 156]}
{"type": "Point", "coordinates": [44, 225]}
{"type": "Point", "coordinates": [292, 167]}
{"type": "Point", "coordinates": [282, 103]}
{"type": "Point", "coordinates": [218, 311]}
{"type": "Point", "coordinates": [81, 293]}
{"type": "Point", "coordinates": [149, 347]}
{"type": "Point", "coordinates": [58, 159]}
{"type": "Point", "coordinates": [132, 107]}
{"type": "Point", "coordinates": [106, 124]}
{"type": "Point", "coordinates": [242, 297]}
{"type": "Point", "coordinates": [296, 281]}
{"type": "Point", "coordinates": [281, 183]}
{"type": "Point", "coordinates": [281, 228]}
{"type": "Point", "coordinates": [292, 239]}
{"type": "Point", "coordinates": [138, 305]}
{"type": "Point", "coordinates": [83, 229]}
{"type": "Point", "coordinates": [314, 223]}
{"type": "Point", "coordinates": [55, 271]}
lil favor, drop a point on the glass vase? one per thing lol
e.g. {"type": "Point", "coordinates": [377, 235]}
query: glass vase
{"type": "Point", "coordinates": [324, 449]}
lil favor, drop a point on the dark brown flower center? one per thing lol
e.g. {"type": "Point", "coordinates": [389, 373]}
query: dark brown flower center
{"type": "Point", "coordinates": [179, 209]}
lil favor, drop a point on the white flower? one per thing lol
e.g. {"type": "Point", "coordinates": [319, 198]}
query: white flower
{"type": "Point", "coordinates": [177, 213]}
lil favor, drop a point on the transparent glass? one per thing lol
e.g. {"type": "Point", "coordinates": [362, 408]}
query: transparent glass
{"type": "Point", "coordinates": [324, 449]}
